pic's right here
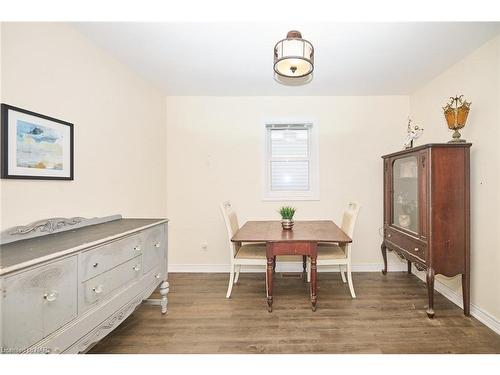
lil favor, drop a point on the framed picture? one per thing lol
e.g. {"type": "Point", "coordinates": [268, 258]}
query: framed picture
{"type": "Point", "coordinates": [35, 146]}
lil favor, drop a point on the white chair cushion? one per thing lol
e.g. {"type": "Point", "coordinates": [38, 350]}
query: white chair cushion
{"type": "Point", "coordinates": [252, 251]}
{"type": "Point", "coordinates": [330, 251]}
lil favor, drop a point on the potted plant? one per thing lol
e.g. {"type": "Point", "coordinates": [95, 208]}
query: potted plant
{"type": "Point", "coordinates": [287, 213]}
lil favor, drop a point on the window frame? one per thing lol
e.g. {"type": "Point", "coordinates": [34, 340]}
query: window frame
{"type": "Point", "coordinates": [291, 195]}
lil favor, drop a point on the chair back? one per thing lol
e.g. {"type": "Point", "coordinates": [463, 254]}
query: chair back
{"type": "Point", "coordinates": [232, 226]}
{"type": "Point", "coordinates": [349, 221]}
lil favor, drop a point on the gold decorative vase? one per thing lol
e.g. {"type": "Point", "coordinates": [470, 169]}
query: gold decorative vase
{"type": "Point", "coordinates": [455, 113]}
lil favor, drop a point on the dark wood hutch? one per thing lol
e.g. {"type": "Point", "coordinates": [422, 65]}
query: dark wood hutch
{"type": "Point", "coordinates": [426, 212]}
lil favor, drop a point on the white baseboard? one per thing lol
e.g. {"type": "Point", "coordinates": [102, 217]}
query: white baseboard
{"type": "Point", "coordinates": [280, 267]}
{"type": "Point", "coordinates": [478, 313]}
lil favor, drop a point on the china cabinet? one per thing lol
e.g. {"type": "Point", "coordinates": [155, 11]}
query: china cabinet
{"type": "Point", "coordinates": [426, 212]}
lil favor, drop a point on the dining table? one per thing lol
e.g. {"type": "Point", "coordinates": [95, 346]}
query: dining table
{"type": "Point", "coordinates": [302, 239]}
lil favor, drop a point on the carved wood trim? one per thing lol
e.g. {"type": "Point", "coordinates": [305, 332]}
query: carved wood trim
{"type": "Point", "coordinates": [111, 322]}
{"type": "Point", "coordinates": [108, 325]}
{"type": "Point", "coordinates": [404, 256]}
{"type": "Point", "coordinates": [420, 267]}
{"type": "Point", "coordinates": [49, 226]}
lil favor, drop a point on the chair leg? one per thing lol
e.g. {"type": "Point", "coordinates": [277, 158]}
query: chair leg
{"type": "Point", "coordinates": [231, 281]}
{"type": "Point", "coordinates": [342, 274]}
{"type": "Point", "coordinates": [349, 280]}
{"type": "Point", "coordinates": [308, 270]}
{"type": "Point", "coordinates": [265, 272]}
{"type": "Point", "coordinates": [237, 274]}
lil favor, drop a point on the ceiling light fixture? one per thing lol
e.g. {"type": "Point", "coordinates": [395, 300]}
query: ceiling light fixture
{"type": "Point", "coordinates": [293, 56]}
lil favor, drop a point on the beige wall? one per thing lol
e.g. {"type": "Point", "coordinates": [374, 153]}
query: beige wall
{"type": "Point", "coordinates": [214, 153]}
{"type": "Point", "coordinates": [211, 149]}
{"type": "Point", "coordinates": [120, 157]}
{"type": "Point", "coordinates": [478, 78]}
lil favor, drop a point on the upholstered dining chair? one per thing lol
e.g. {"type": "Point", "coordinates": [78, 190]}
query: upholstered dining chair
{"type": "Point", "coordinates": [253, 254]}
{"type": "Point", "coordinates": [331, 254]}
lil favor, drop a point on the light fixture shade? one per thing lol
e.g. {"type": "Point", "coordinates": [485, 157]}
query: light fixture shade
{"type": "Point", "coordinates": [455, 113]}
{"type": "Point", "coordinates": [293, 56]}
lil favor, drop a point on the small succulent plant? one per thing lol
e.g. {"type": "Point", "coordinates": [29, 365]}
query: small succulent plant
{"type": "Point", "coordinates": [287, 212]}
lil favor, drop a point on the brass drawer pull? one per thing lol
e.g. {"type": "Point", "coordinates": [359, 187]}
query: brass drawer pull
{"type": "Point", "coordinates": [389, 235]}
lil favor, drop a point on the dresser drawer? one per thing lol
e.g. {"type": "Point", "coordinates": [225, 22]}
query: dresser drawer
{"type": "Point", "coordinates": [154, 248]}
{"type": "Point", "coordinates": [99, 260]}
{"type": "Point", "coordinates": [38, 302]}
{"type": "Point", "coordinates": [102, 286]}
{"type": "Point", "coordinates": [403, 241]}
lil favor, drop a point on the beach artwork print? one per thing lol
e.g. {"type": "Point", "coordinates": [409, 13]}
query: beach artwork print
{"type": "Point", "coordinates": [35, 146]}
{"type": "Point", "coordinates": [38, 147]}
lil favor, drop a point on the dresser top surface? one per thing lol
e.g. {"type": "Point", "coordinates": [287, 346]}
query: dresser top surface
{"type": "Point", "coordinates": [24, 253]}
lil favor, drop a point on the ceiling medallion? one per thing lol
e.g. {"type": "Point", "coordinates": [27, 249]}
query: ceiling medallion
{"type": "Point", "coordinates": [293, 56]}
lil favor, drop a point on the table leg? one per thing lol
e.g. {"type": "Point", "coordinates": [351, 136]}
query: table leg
{"type": "Point", "coordinates": [304, 263]}
{"type": "Point", "coordinates": [270, 263]}
{"type": "Point", "coordinates": [313, 282]}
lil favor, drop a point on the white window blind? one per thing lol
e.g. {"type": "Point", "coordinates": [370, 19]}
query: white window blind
{"type": "Point", "coordinates": [289, 162]}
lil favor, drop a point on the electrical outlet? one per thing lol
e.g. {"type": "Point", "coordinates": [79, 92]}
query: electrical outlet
{"type": "Point", "coordinates": [204, 246]}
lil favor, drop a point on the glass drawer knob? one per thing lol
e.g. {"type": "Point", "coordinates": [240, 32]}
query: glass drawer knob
{"type": "Point", "coordinates": [95, 265]}
{"type": "Point", "coordinates": [136, 267]}
{"type": "Point", "coordinates": [389, 235]}
{"type": "Point", "coordinates": [417, 249]}
{"type": "Point", "coordinates": [157, 244]}
{"type": "Point", "coordinates": [49, 297]}
{"type": "Point", "coordinates": [157, 276]}
{"type": "Point", "coordinates": [137, 248]}
{"type": "Point", "coordinates": [97, 289]}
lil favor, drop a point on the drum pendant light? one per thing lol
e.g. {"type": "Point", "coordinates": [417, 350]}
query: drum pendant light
{"type": "Point", "coordinates": [293, 56]}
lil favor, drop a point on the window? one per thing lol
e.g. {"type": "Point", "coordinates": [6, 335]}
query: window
{"type": "Point", "coordinates": [291, 168]}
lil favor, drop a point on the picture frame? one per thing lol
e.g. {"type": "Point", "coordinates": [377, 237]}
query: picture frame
{"type": "Point", "coordinates": [35, 146]}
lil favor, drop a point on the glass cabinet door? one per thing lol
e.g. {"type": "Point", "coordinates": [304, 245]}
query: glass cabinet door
{"type": "Point", "coordinates": [405, 193]}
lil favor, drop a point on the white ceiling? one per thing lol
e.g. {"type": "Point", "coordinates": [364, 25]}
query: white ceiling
{"type": "Point", "coordinates": [237, 58]}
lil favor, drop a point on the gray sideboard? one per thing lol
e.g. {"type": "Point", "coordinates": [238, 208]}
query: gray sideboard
{"type": "Point", "coordinates": [64, 289]}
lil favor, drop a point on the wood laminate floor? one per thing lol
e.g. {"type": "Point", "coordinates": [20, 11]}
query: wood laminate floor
{"type": "Point", "coordinates": [387, 317]}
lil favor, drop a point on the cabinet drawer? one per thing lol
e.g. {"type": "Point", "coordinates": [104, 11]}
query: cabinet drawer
{"type": "Point", "coordinates": [100, 287]}
{"type": "Point", "coordinates": [38, 302]}
{"type": "Point", "coordinates": [412, 245]}
{"type": "Point", "coordinates": [154, 247]}
{"type": "Point", "coordinates": [99, 260]}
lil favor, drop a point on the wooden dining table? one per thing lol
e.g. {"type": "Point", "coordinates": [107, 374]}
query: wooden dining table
{"type": "Point", "coordinates": [302, 240]}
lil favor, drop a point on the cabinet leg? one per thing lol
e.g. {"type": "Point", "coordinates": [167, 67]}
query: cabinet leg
{"type": "Point", "coordinates": [270, 263]}
{"type": "Point", "coordinates": [430, 292]}
{"type": "Point", "coordinates": [164, 289]}
{"type": "Point", "coordinates": [466, 293]}
{"type": "Point", "coordinates": [409, 267]}
{"type": "Point", "coordinates": [384, 255]}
